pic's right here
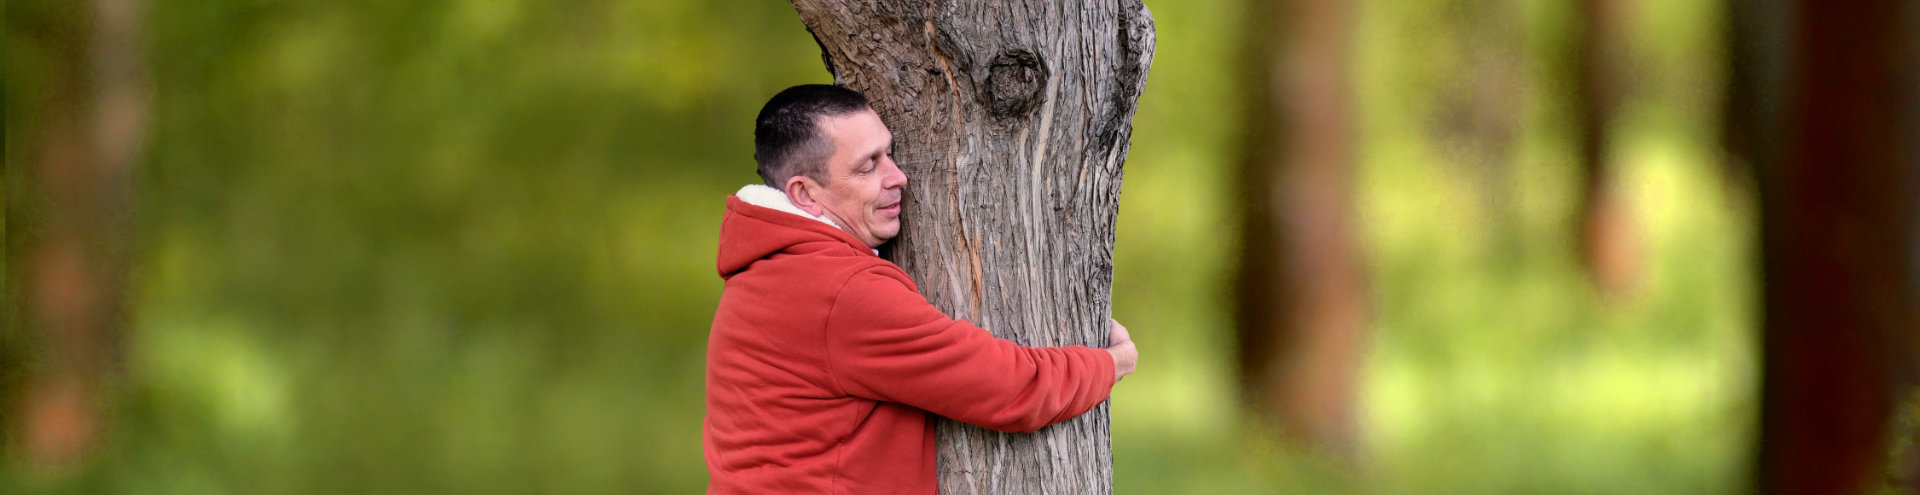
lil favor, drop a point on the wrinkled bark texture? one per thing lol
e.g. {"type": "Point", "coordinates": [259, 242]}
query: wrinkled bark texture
{"type": "Point", "coordinates": [1011, 119]}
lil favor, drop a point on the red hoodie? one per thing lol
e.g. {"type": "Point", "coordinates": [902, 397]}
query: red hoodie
{"type": "Point", "coordinates": [824, 362]}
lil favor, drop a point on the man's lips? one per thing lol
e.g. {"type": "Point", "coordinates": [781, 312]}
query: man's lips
{"type": "Point", "coordinates": [893, 208]}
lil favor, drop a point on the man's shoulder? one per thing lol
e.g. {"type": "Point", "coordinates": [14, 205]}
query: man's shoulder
{"type": "Point", "coordinates": [866, 267]}
{"type": "Point", "coordinates": [835, 277]}
{"type": "Point", "coordinates": [825, 269]}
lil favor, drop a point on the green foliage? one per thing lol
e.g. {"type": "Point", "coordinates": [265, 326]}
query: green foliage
{"type": "Point", "coordinates": [467, 247]}
{"type": "Point", "coordinates": [1495, 367]}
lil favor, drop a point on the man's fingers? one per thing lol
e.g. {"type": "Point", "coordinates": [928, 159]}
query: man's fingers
{"type": "Point", "coordinates": [1121, 346]}
{"type": "Point", "coordinates": [1117, 333]}
{"type": "Point", "coordinates": [1125, 359]}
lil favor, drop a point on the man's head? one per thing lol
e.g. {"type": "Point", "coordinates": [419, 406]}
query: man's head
{"type": "Point", "coordinates": [826, 148]}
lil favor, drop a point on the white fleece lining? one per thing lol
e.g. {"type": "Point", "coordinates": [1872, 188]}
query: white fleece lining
{"type": "Point", "coordinates": [767, 197]}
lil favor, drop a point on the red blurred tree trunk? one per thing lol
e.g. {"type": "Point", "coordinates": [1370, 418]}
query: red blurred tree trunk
{"type": "Point", "coordinates": [1608, 240]}
{"type": "Point", "coordinates": [1834, 135]}
{"type": "Point", "coordinates": [1302, 294]}
{"type": "Point", "coordinates": [84, 125]}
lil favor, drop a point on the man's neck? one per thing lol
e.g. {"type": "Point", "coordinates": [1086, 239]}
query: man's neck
{"type": "Point", "coordinates": [770, 198]}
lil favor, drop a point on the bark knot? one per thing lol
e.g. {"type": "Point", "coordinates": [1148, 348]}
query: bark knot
{"type": "Point", "coordinates": [1015, 83]}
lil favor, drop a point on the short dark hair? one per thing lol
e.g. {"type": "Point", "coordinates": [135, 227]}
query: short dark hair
{"type": "Point", "coordinates": [786, 135]}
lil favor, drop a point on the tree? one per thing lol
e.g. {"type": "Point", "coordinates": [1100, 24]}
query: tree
{"type": "Point", "coordinates": [1302, 287]}
{"type": "Point", "coordinates": [1825, 105]}
{"type": "Point", "coordinates": [83, 116]}
{"type": "Point", "coordinates": [1608, 247]}
{"type": "Point", "coordinates": [1012, 119]}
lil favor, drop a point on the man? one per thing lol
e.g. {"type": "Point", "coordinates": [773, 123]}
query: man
{"type": "Point", "coordinates": [825, 361]}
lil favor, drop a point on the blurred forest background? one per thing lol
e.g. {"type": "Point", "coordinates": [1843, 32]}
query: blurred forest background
{"type": "Point", "coordinates": [468, 247]}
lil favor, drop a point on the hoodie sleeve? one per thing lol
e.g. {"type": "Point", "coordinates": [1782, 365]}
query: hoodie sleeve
{"type": "Point", "coordinates": [886, 342]}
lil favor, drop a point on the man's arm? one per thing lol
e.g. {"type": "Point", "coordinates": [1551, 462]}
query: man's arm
{"type": "Point", "coordinates": [885, 342]}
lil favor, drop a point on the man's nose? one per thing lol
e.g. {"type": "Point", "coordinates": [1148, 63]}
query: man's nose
{"type": "Point", "coordinates": [895, 177]}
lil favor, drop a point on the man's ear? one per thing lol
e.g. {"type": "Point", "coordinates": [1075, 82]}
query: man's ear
{"type": "Point", "coordinates": [800, 191]}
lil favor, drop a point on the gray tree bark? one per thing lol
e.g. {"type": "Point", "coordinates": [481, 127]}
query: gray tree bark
{"type": "Point", "coordinates": [1011, 118]}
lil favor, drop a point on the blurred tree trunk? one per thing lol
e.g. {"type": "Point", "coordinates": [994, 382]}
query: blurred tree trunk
{"type": "Point", "coordinates": [1012, 120]}
{"type": "Point", "coordinates": [1830, 120]}
{"type": "Point", "coordinates": [1302, 294]}
{"type": "Point", "coordinates": [1490, 110]}
{"type": "Point", "coordinates": [82, 113]}
{"type": "Point", "coordinates": [1751, 121]}
{"type": "Point", "coordinates": [1608, 240]}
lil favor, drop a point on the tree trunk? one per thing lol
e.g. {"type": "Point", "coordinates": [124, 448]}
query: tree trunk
{"type": "Point", "coordinates": [1302, 291]}
{"type": "Point", "coordinates": [1609, 246]}
{"type": "Point", "coordinates": [1484, 112]}
{"type": "Point", "coordinates": [84, 127]}
{"type": "Point", "coordinates": [1840, 236]}
{"type": "Point", "coordinates": [1011, 119]}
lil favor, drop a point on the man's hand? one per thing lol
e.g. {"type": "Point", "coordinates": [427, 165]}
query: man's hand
{"type": "Point", "coordinates": [1120, 345]}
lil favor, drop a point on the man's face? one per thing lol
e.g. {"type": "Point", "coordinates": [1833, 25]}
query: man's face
{"type": "Point", "coordinates": [862, 192]}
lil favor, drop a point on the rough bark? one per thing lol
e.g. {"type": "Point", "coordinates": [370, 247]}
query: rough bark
{"type": "Point", "coordinates": [1834, 115]}
{"type": "Point", "coordinates": [1302, 292]}
{"type": "Point", "coordinates": [1011, 119]}
{"type": "Point", "coordinates": [84, 126]}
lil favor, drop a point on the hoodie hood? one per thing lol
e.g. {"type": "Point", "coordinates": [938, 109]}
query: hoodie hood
{"type": "Point", "coordinates": [761, 223]}
{"type": "Point", "coordinates": [763, 196]}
